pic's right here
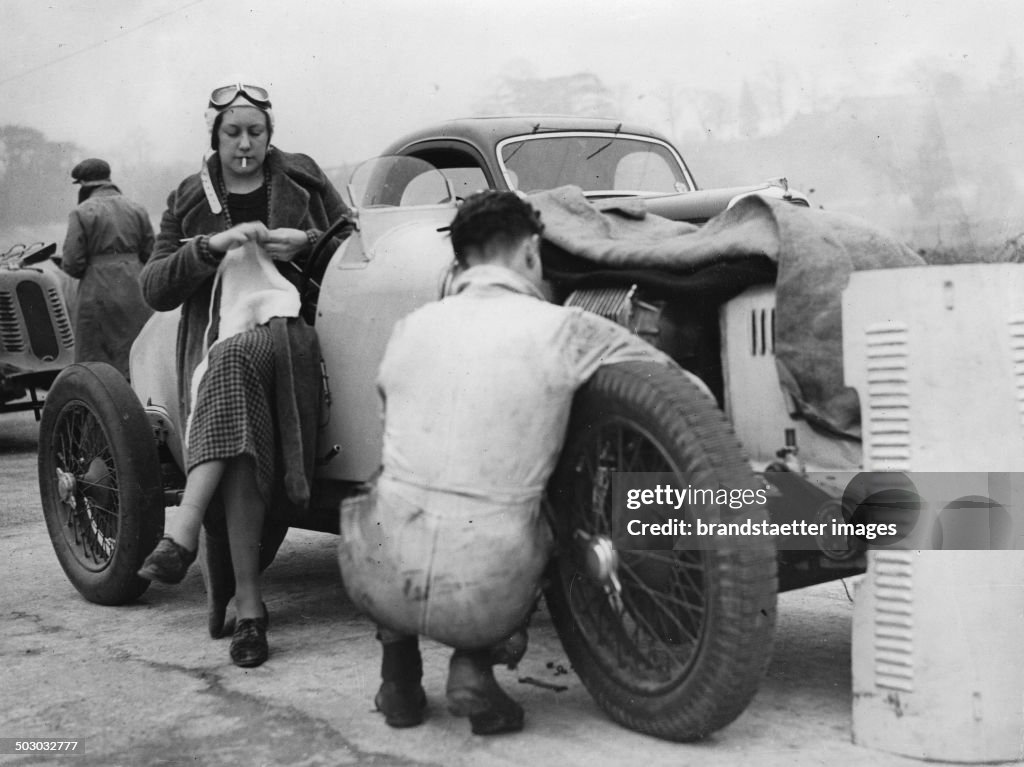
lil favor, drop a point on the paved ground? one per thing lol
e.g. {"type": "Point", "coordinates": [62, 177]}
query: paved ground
{"type": "Point", "coordinates": [144, 685]}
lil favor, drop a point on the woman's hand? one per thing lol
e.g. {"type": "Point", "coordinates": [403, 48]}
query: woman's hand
{"type": "Point", "coordinates": [238, 235]}
{"type": "Point", "coordinates": [285, 244]}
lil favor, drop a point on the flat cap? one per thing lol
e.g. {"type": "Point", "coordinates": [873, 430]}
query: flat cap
{"type": "Point", "coordinates": [91, 172]}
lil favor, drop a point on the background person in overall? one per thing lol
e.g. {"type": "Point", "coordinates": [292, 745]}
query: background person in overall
{"type": "Point", "coordinates": [108, 240]}
{"type": "Point", "coordinates": [232, 246]}
{"type": "Point", "coordinates": [477, 388]}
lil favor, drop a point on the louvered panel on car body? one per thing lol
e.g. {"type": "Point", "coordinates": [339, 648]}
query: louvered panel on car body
{"type": "Point", "coordinates": [894, 620]}
{"type": "Point", "coordinates": [1016, 327]}
{"type": "Point", "coordinates": [11, 337]}
{"type": "Point", "coordinates": [888, 394]}
{"type": "Point", "coordinates": [61, 320]}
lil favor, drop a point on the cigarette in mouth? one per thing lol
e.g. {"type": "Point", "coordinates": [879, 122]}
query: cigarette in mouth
{"type": "Point", "coordinates": [244, 161]}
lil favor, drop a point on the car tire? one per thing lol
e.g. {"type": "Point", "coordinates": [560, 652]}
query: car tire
{"type": "Point", "coordinates": [100, 482]}
{"type": "Point", "coordinates": [680, 651]}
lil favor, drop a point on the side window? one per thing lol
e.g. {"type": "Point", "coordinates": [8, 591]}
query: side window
{"type": "Point", "coordinates": [427, 188]}
{"type": "Point", "coordinates": [397, 181]}
{"type": "Point", "coordinates": [466, 180]}
{"type": "Point", "coordinates": [462, 168]}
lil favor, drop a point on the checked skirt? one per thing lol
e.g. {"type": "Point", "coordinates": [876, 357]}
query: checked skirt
{"type": "Point", "coordinates": [234, 409]}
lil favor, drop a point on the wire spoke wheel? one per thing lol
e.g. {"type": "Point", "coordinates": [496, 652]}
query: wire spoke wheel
{"type": "Point", "coordinates": [99, 482]}
{"type": "Point", "coordinates": [669, 642]}
{"type": "Point", "coordinates": [646, 635]}
{"type": "Point", "coordinates": [90, 500]}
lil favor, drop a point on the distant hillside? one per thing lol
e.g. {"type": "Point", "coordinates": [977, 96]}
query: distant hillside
{"type": "Point", "coordinates": [940, 175]}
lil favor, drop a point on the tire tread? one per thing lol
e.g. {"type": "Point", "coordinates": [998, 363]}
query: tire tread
{"type": "Point", "coordinates": [105, 392]}
{"type": "Point", "coordinates": [738, 649]}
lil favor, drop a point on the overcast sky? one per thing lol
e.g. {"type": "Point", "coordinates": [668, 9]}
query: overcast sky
{"type": "Point", "coordinates": [347, 77]}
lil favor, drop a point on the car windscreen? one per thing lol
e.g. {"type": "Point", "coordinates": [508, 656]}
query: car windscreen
{"type": "Point", "coordinates": [593, 162]}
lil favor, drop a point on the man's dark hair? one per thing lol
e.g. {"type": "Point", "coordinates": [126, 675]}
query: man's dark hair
{"type": "Point", "coordinates": [491, 216]}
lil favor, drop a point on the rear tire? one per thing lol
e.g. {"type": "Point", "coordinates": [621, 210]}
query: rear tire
{"type": "Point", "coordinates": [100, 482]}
{"type": "Point", "coordinates": [680, 652]}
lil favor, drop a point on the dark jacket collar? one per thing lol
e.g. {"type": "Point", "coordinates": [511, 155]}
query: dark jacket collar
{"type": "Point", "coordinates": [291, 176]}
{"type": "Point", "coordinates": [105, 189]}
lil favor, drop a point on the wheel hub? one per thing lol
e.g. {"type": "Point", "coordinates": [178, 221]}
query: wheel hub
{"type": "Point", "coordinates": [66, 487]}
{"type": "Point", "coordinates": [600, 561]}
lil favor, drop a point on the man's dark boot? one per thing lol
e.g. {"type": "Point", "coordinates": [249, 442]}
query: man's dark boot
{"type": "Point", "coordinates": [401, 697]}
{"type": "Point", "coordinates": [510, 651]}
{"type": "Point", "coordinates": [474, 692]}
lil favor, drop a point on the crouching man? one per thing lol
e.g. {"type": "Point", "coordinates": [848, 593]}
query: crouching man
{"type": "Point", "coordinates": [477, 389]}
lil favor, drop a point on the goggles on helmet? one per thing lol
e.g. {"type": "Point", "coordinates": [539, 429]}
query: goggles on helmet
{"type": "Point", "coordinates": [225, 94]}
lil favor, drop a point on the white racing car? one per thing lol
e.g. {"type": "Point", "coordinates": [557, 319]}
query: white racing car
{"type": "Point", "coordinates": [672, 642]}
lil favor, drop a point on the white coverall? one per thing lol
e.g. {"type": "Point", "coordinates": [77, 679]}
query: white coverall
{"type": "Point", "coordinates": [477, 391]}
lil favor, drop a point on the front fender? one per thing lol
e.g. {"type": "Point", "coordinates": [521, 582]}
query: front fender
{"type": "Point", "coordinates": [154, 377]}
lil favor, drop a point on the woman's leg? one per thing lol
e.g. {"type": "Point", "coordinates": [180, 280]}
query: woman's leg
{"type": "Point", "coordinates": [170, 560]}
{"type": "Point", "coordinates": [244, 510]}
{"type": "Point", "coordinates": [200, 485]}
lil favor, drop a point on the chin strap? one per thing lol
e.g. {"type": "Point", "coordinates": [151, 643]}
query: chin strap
{"type": "Point", "coordinates": [211, 193]}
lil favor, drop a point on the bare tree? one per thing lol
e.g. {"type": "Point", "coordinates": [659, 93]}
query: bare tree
{"type": "Point", "coordinates": [1010, 79]}
{"type": "Point", "coordinates": [775, 84]}
{"type": "Point", "coordinates": [36, 176]}
{"type": "Point", "coordinates": [578, 94]}
{"type": "Point", "coordinates": [715, 113]}
{"type": "Point", "coordinates": [934, 78]}
{"type": "Point", "coordinates": [749, 114]}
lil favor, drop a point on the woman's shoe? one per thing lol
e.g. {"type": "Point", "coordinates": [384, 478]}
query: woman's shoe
{"type": "Point", "coordinates": [249, 642]}
{"type": "Point", "coordinates": [229, 624]}
{"type": "Point", "coordinates": [167, 563]}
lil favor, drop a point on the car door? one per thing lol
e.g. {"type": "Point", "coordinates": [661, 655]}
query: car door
{"type": "Point", "coordinates": [395, 262]}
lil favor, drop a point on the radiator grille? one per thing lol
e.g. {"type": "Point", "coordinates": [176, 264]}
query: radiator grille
{"type": "Point", "coordinates": [10, 330]}
{"type": "Point", "coordinates": [34, 309]}
{"type": "Point", "coordinates": [610, 303]}
{"type": "Point", "coordinates": [894, 620]}
{"type": "Point", "coordinates": [622, 306]}
{"type": "Point", "coordinates": [888, 396]}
